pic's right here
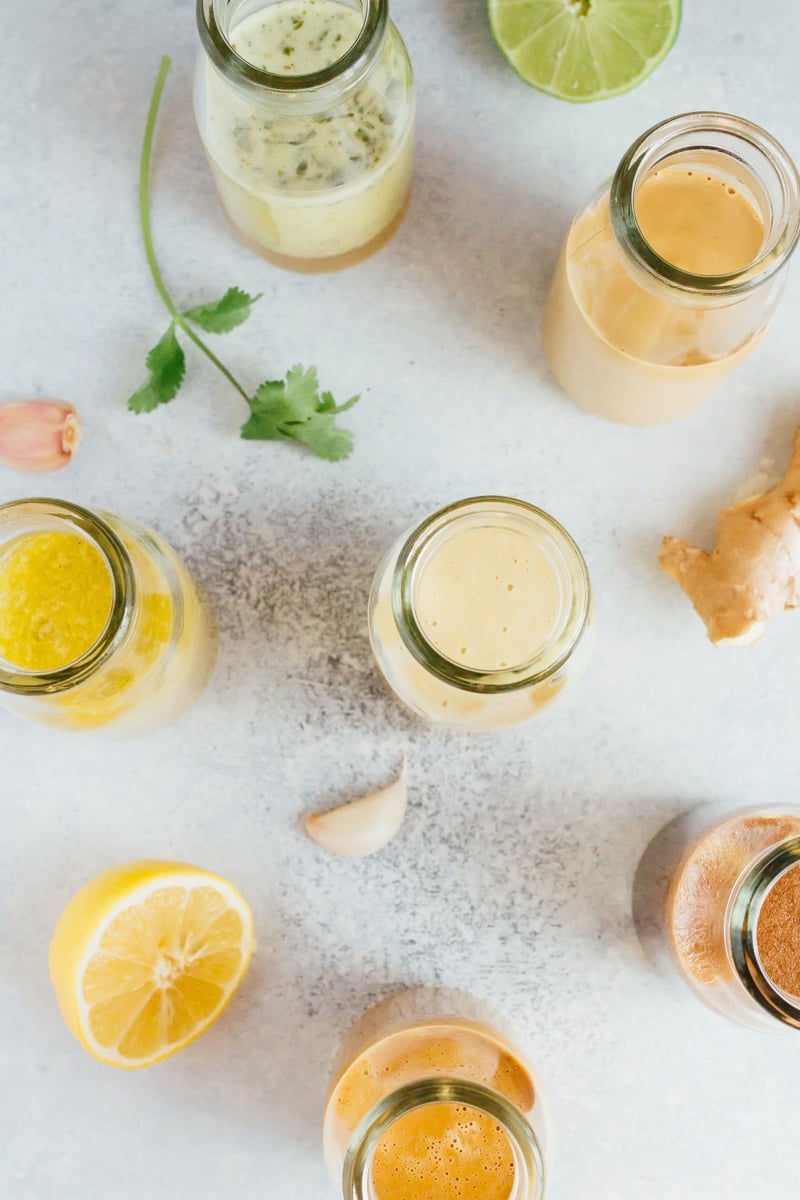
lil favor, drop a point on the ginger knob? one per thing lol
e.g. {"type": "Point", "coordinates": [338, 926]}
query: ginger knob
{"type": "Point", "coordinates": [754, 570]}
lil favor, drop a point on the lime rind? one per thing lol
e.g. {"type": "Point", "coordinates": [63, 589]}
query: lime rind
{"type": "Point", "coordinates": [584, 50]}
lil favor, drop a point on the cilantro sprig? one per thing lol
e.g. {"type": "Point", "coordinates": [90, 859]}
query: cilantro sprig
{"type": "Point", "coordinates": [290, 409]}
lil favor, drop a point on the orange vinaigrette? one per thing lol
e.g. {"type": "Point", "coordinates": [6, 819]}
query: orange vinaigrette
{"type": "Point", "coordinates": [434, 1107]}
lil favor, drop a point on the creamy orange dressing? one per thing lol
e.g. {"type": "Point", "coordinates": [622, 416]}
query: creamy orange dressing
{"type": "Point", "coordinates": [55, 600]}
{"type": "Point", "coordinates": [698, 222]}
{"type": "Point", "coordinates": [645, 356]}
{"type": "Point", "coordinates": [444, 1152]}
{"type": "Point", "coordinates": [488, 598]}
{"type": "Point", "coordinates": [440, 1151]}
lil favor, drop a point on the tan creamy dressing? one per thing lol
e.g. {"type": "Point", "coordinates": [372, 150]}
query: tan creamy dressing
{"type": "Point", "coordinates": [631, 355]}
{"type": "Point", "coordinates": [488, 599]}
{"type": "Point", "coordinates": [491, 598]}
{"type": "Point", "coordinates": [698, 222]}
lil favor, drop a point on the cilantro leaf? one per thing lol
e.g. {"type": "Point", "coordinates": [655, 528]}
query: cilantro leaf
{"type": "Point", "coordinates": [323, 438]}
{"type": "Point", "coordinates": [269, 422]}
{"type": "Point", "coordinates": [292, 409]}
{"type": "Point", "coordinates": [302, 390]}
{"type": "Point", "coordinates": [166, 364]}
{"type": "Point", "coordinates": [328, 404]}
{"type": "Point", "coordinates": [221, 316]}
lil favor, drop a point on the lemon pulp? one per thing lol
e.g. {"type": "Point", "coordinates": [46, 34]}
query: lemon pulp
{"type": "Point", "coordinates": [146, 956]}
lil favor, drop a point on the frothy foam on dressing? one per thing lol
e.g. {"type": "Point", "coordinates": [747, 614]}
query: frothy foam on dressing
{"type": "Point", "coordinates": [444, 1152]}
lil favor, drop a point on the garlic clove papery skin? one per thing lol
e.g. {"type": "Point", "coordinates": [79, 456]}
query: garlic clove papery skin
{"type": "Point", "coordinates": [38, 435]}
{"type": "Point", "coordinates": [363, 826]}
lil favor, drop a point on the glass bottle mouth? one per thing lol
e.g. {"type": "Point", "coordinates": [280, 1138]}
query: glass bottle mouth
{"type": "Point", "coordinates": [20, 517]}
{"type": "Point", "coordinates": [214, 25]}
{"type": "Point", "coordinates": [529, 1179]}
{"type": "Point", "coordinates": [563, 556]}
{"type": "Point", "coordinates": [742, 923]}
{"type": "Point", "coordinates": [743, 153]}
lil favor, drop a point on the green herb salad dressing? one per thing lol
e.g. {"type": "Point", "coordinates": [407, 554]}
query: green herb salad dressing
{"type": "Point", "coordinates": [300, 183]}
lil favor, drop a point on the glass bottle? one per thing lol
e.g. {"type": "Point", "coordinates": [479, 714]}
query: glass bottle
{"type": "Point", "coordinates": [153, 653]}
{"type": "Point", "coordinates": [428, 1095]}
{"type": "Point", "coordinates": [642, 339]}
{"type": "Point", "coordinates": [312, 157]}
{"type": "Point", "coordinates": [500, 576]}
{"type": "Point", "coordinates": [718, 889]}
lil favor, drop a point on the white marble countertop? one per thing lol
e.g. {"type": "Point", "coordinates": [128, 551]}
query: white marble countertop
{"type": "Point", "coordinates": [512, 876]}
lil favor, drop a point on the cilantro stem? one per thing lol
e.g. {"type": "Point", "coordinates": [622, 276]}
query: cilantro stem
{"type": "Point", "coordinates": [147, 233]}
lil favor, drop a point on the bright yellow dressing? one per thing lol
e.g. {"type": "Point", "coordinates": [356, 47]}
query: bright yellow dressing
{"type": "Point", "coordinates": [55, 600]}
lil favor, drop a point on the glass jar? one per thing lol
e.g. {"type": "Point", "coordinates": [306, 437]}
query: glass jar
{"type": "Point", "coordinates": [427, 1096]}
{"type": "Point", "coordinates": [728, 887]}
{"type": "Point", "coordinates": [643, 331]}
{"type": "Point", "coordinates": [479, 616]}
{"type": "Point", "coordinates": [306, 112]}
{"type": "Point", "coordinates": [152, 649]}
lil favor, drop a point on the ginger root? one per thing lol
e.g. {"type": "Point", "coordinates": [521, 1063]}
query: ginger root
{"type": "Point", "coordinates": [754, 570]}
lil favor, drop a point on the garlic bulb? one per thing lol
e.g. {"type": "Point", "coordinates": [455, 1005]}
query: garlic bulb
{"type": "Point", "coordinates": [362, 826]}
{"type": "Point", "coordinates": [38, 435]}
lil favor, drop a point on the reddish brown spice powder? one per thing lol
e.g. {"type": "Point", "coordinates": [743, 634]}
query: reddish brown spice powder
{"type": "Point", "coordinates": [778, 933]}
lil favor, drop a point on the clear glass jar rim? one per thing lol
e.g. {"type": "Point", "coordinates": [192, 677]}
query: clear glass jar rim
{"type": "Point", "coordinates": [490, 682]}
{"type": "Point", "coordinates": [21, 682]}
{"type": "Point", "coordinates": [741, 925]}
{"type": "Point", "coordinates": [528, 1155]}
{"type": "Point", "coordinates": [652, 147]}
{"type": "Point", "coordinates": [233, 66]}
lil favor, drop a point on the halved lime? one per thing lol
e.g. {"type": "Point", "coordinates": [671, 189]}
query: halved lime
{"type": "Point", "coordinates": [584, 49]}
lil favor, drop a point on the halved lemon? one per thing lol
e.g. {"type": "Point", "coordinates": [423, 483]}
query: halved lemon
{"type": "Point", "coordinates": [146, 956]}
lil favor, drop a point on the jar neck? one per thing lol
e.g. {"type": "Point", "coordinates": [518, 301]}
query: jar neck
{"type": "Point", "coordinates": [527, 1155]}
{"type": "Point", "coordinates": [742, 922]}
{"type": "Point", "coordinates": [564, 558]}
{"type": "Point", "coordinates": [216, 20]}
{"type": "Point", "coordinates": [21, 517]}
{"type": "Point", "coordinates": [737, 151]}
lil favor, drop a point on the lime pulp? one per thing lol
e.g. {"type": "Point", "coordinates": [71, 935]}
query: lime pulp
{"type": "Point", "coordinates": [584, 50]}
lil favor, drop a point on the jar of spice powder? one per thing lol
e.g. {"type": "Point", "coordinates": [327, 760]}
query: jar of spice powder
{"type": "Point", "coordinates": [732, 913]}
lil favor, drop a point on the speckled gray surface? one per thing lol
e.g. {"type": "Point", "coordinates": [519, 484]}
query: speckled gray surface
{"type": "Point", "coordinates": [513, 872]}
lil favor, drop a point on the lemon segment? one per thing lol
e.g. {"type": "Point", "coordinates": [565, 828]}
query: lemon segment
{"type": "Point", "coordinates": [584, 50]}
{"type": "Point", "coordinates": [146, 956]}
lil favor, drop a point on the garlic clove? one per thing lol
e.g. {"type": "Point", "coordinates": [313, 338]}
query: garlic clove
{"type": "Point", "coordinates": [363, 826]}
{"type": "Point", "coordinates": [38, 435]}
